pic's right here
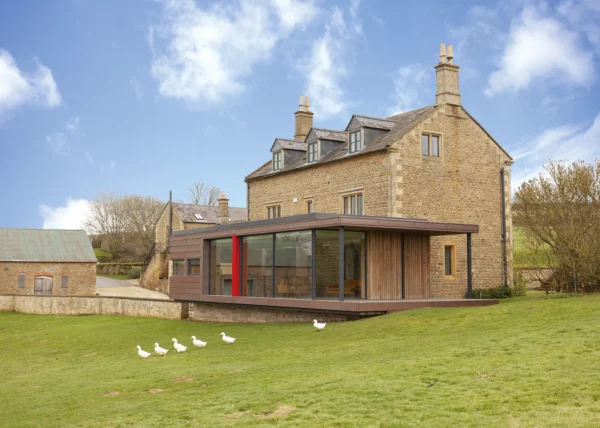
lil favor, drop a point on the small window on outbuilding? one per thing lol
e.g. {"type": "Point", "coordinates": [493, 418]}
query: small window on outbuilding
{"type": "Point", "coordinates": [21, 280]}
{"type": "Point", "coordinates": [64, 281]}
{"type": "Point", "coordinates": [198, 216]}
{"type": "Point", "coordinates": [309, 206]}
{"type": "Point", "coordinates": [430, 145]}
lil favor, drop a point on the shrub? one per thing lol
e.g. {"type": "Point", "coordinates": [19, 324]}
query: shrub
{"type": "Point", "coordinates": [134, 272]}
{"type": "Point", "coordinates": [493, 293]}
{"type": "Point", "coordinates": [519, 284]}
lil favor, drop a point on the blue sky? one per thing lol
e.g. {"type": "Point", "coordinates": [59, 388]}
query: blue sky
{"type": "Point", "coordinates": [143, 97]}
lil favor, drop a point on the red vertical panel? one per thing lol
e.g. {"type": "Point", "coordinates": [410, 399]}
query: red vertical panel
{"type": "Point", "coordinates": [235, 266]}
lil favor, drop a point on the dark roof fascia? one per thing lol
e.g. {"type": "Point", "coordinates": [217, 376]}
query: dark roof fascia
{"type": "Point", "coordinates": [324, 220]}
{"type": "Point", "coordinates": [486, 132]}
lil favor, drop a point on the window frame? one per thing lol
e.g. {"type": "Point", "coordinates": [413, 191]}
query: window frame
{"type": "Point", "coordinates": [430, 151]}
{"type": "Point", "coordinates": [278, 155]}
{"type": "Point", "coordinates": [189, 265]}
{"type": "Point", "coordinates": [309, 206]}
{"type": "Point", "coordinates": [315, 153]}
{"type": "Point", "coordinates": [452, 248]}
{"type": "Point", "coordinates": [182, 267]}
{"type": "Point", "coordinates": [272, 209]}
{"type": "Point", "coordinates": [22, 275]}
{"type": "Point", "coordinates": [353, 203]}
{"type": "Point", "coordinates": [63, 281]}
{"type": "Point", "coordinates": [358, 143]}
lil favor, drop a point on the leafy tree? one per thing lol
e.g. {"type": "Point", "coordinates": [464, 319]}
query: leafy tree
{"type": "Point", "coordinates": [559, 212]}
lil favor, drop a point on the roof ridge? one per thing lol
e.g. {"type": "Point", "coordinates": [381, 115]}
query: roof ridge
{"type": "Point", "coordinates": [38, 228]}
{"type": "Point", "coordinates": [410, 111]}
{"type": "Point", "coordinates": [330, 130]}
{"type": "Point", "coordinates": [374, 118]}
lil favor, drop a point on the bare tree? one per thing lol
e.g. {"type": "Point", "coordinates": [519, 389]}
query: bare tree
{"type": "Point", "coordinates": [141, 215]}
{"type": "Point", "coordinates": [559, 212]}
{"type": "Point", "coordinates": [106, 217]}
{"type": "Point", "coordinates": [203, 194]}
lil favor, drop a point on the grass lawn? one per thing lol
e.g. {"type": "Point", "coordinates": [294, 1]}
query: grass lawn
{"type": "Point", "coordinates": [526, 362]}
{"type": "Point", "coordinates": [107, 275]}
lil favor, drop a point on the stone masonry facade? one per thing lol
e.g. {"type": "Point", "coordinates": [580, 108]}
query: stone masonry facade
{"type": "Point", "coordinates": [82, 277]}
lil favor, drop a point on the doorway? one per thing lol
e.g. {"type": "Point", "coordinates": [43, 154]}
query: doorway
{"type": "Point", "coordinates": [42, 286]}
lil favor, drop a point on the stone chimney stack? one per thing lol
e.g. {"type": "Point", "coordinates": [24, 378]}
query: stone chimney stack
{"type": "Point", "coordinates": [446, 76]}
{"type": "Point", "coordinates": [304, 119]}
{"type": "Point", "coordinates": [223, 209]}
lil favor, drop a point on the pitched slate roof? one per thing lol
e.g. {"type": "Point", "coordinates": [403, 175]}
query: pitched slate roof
{"type": "Point", "coordinates": [284, 143]}
{"type": "Point", "coordinates": [403, 123]}
{"type": "Point", "coordinates": [209, 214]}
{"type": "Point", "coordinates": [328, 134]}
{"type": "Point", "coordinates": [372, 122]}
{"type": "Point", "coordinates": [45, 245]}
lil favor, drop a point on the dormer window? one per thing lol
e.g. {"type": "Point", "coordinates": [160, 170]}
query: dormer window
{"type": "Point", "coordinates": [277, 160]}
{"type": "Point", "coordinates": [198, 216]}
{"type": "Point", "coordinates": [313, 152]}
{"type": "Point", "coordinates": [356, 144]}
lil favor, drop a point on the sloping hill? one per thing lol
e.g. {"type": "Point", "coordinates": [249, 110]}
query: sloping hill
{"type": "Point", "coordinates": [525, 362]}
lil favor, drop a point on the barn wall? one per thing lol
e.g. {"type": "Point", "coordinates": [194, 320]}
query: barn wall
{"type": "Point", "coordinates": [82, 277]}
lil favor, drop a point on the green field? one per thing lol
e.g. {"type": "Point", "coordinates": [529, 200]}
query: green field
{"type": "Point", "coordinates": [527, 362]}
{"type": "Point", "coordinates": [522, 254]}
{"type": "Point", "coordinates": [107, 275]}
{"type": "Point", "coordinates": [102, 255]}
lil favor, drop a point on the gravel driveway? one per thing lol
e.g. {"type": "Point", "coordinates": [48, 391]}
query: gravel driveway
{"type": "Point", "coordinates": [104, 282]}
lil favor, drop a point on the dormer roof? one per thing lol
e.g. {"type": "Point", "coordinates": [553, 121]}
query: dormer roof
{"type": "Point", "coordinates": [373, 122]}
{"type": "Point", "coordinates": [328, 134]}
{"type": "Point", "coordinates": [285, 144]}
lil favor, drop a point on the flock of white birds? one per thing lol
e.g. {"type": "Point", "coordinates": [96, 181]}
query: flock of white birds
{"type": "Point", "coordinates": [200, 344]}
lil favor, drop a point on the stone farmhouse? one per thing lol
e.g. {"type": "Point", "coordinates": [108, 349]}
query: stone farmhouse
{"type": "Point", "coordinates": [178, 216]}
{"type": "Point", "coordinates": [47, 262]}
{"type": "Point", "coordinates": [388, 213]}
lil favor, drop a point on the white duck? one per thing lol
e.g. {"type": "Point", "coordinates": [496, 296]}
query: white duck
{"type": "Point", "coordinates": [142, 353]}
{"type": "Point", "coordinates": [227, 339]}
{"type": "Point", "coordinates": [178, 346]}
{"type": "Point", "coordinates": [319, 325]}
{"type": "Point", "coordinates": [198, 343]}
{"type": "Point", "coordinates": [159, 350]}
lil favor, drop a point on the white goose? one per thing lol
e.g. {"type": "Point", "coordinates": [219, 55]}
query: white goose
{"type": "Point", "coordinates": [198, 343]}
{"type": "Point", "coordinates": [142, 353]}
{"type": "Point", "coordinates": [178, 346]}
{"type": "Point", "coordinates": [159, 350]}
{"type": "Point", "coordinates": [227, 339]}
{"type": "Point", "coordinates": [319, 325]}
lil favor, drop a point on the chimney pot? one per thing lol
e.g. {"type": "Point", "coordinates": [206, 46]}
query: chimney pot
{"type": "Point", "coordinates": [450, 54]}
{"type": "Point", "coordinates": [443, 52]}
{"type": "Point", "coordinates": [223, 209]}
{"type": "Point", "coordinates": [306, 103]}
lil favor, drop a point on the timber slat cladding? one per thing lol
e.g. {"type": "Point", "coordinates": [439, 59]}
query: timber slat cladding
{"type": "Point", "coordinates": [416, 265]}
{"type": "Point", "coordinates": [384, 251]}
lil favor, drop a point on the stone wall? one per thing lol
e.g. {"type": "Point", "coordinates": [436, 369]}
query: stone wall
{"type": "Point", "coordinates": [463, 185]}
{"type": "Point", "coordinates": [230, 313]}
{"type": "Point", "coordinates": [82, 277]}
{"type": "Point", "coordinates": [116, 268]}
{"type": "Point", "coordinates": [76, 305]}
{"type": "Point", "coordinates": [325, 184]}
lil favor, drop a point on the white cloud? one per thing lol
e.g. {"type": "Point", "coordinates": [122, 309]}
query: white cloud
{"type": "Point", "coordinates": [585, 16]}
{"type": "Point", "coordinates": [294, 13]}
{"type": "Point", "coordinates": [72, 125]}
{"type": "Point", "coordinates": [412, 89]}
{"type": "Point", "coordinates": [567, 142]}
{"type": "Point", "coordinates": [89, 158]}
{"type": "Point", "coordinates": [538, 47]}
{"type": "Point", "coordinates": [18, 88]}
{"type": "Point", "coordinates": [211, 51]}
{"type": "Point", "coordinates": [58, 143]}
{"type": "Point", "coordinates": [327, 67]}
{"type": "Point", "coordinates": [70, 216]}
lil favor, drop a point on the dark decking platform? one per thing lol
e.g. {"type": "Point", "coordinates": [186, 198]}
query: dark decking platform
{"type": "Point", "coordinates": [364, 307]}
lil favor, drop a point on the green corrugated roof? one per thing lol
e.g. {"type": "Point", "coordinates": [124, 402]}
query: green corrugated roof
{"type": "Point", "coordinates": [45, 245]}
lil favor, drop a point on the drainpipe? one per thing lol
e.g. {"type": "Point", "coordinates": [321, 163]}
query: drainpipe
{"type": "Point", "coordinates": [504, 253]}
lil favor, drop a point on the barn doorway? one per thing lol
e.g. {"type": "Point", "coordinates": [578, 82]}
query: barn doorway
{"type": "Point", "coordinates": [42, 286]}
